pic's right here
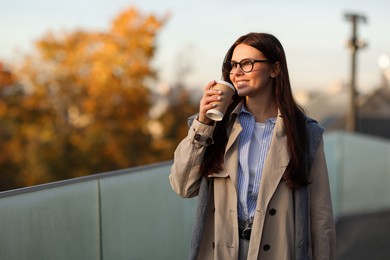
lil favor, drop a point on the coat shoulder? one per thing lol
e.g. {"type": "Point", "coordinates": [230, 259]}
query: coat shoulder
{"type": "Point", "coordinates": [314, 136]}
{"type": "Point", "coordinates": [314, 128]}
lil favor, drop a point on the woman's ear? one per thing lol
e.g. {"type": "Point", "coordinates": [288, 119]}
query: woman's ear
{"type": "Point", "coordinates": [275, 70]}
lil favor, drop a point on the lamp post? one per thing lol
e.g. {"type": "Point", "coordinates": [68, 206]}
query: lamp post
{"type": "Point", "coordinates": [384, 65]}
{"type": "Point", "coordinates": [354, 44]}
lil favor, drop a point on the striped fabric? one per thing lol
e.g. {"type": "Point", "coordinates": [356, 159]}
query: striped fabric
{"type": "Point", "coordinates": [247, 201]}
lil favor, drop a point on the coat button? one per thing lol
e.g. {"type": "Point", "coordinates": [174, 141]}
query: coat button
{"type": "Point", "coordinates": [272, 212]}
{"type": "Point", "coordinates": [266, 247]}
{"type": "Point", "coordinates": [209, 140]}
{"type": "Point", "coordinates": [213, 244]}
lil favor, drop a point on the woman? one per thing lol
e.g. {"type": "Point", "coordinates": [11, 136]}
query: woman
{"type": "Point", "coordinates": [260, 174]}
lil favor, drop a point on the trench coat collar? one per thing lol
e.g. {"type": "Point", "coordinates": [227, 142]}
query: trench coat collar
{"type": "Point", "coordinates": [231, 151]}
{"type": "Point", "coordinates": [278, 143]}
{"type": "Point", "coordinates": [234, 126]}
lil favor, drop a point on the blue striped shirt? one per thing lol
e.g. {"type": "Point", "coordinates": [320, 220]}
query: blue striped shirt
{"type": "Point", "coordinates": [247, 199]}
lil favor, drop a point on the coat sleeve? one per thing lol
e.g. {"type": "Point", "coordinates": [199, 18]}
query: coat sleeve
{"type": "Point", "coordinates": [185, 173]}
{"type": "Point", "coordinates": [321, 213]}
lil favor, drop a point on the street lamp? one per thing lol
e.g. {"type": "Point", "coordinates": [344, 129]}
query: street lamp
{"type": "Point", "coordinates": [354, 44]}
{"type": "Point", "coordinates": [384, 65]}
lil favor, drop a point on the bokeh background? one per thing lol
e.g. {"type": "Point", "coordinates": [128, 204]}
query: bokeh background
{"type": "Point", "coordinates": [88, 87]}
{"type": "Point", "coordinates": [84, 82]}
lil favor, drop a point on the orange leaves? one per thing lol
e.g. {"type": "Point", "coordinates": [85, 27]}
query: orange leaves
{"type": "Point", "coordinates": [131, 21]}
{"type": "Point", "coordinates": [80, 105]}
{"type": "Point", "coordinates": [84, 105]}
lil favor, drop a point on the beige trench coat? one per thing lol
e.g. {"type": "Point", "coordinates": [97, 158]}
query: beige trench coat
{"type": "Point", "coordinates": [273, 227]}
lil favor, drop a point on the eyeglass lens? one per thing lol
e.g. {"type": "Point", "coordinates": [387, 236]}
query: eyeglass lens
{"type": "Point", "coordinates": [246, 65]}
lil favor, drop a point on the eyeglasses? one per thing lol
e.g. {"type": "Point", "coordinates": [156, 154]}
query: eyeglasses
{"type": "Point", "coordinates": [246, 65]}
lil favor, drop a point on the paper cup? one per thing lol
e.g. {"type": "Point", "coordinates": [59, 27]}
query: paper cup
{"type": "Point", "coordinates": [228, 91]}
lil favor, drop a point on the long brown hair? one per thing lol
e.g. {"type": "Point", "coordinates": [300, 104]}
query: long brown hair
{"type": "Point", "coordinates": [292, 114]}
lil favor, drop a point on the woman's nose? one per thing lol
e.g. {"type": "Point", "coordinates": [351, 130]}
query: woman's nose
{"type": "Point", "coordinates": [236, 71]}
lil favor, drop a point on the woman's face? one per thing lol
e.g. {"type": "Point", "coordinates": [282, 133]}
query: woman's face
{"type": "Point", "coordinates": [256, 82]}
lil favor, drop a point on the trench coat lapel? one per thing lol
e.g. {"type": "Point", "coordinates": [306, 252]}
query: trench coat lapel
{"type": "Point", "coordinates": [234, 127]}
{"type": "Point", "coordinates": [274, 167]}
{"type": "Point", "coordinates": [231, 150]}
{"type": "Point", "coordinates": [277, 159]}
{"type": "Point", "coordinates": [231, 153]}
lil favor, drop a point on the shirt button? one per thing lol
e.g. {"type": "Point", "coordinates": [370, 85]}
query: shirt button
{"type": "Point", "coordinates": [266, 247]}
{"type": "Point", "coordinates": [272, 212]}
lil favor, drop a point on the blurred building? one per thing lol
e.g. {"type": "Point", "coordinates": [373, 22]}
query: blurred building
{"type": "Point", "coordinates": [330, 108]}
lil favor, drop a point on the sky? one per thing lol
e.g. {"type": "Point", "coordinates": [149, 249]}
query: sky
{"type": "Point", "coordinates": [198, 34]}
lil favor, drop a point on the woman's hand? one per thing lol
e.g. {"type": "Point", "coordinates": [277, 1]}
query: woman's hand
{"type": "Point", "coordinates": [210, 96]}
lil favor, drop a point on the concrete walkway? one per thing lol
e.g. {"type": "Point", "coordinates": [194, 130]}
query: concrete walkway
{"type": "Point", "coordinates": [364, 237]}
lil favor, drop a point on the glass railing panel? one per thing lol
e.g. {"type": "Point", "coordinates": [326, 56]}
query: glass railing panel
{"type": "Point", "coordinates": [359, 172]}
{"type": "Point", "coordinates": [366, 178]}
{"type": "Point", "coordinates": [142, 218]}
{"type": "Point", "coordinates": [58, 223]}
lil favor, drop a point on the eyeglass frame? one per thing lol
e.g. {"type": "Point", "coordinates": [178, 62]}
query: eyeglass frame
{"type": "Point", "coordinates": [252, 62]}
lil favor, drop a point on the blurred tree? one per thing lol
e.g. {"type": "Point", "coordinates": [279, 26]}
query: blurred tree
{"type": "Point", "coordinates": [11, 95]}
{"type": "Point", "coordinates": [181, 104]}
{"type": "Point", "coordinates": [84, 103]}
{"type": "Point", "coordinates": [174, 121]}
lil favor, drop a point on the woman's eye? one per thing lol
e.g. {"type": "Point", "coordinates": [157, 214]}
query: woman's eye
{"type": "Point", "coordinates": [245, 63]}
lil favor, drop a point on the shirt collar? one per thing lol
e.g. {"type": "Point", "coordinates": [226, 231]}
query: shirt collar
{"type": "Point", "coordinates": [241, 109]}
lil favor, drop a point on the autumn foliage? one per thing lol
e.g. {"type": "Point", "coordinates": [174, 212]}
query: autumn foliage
{"type": "Point", "coordinates": [80, 105]}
